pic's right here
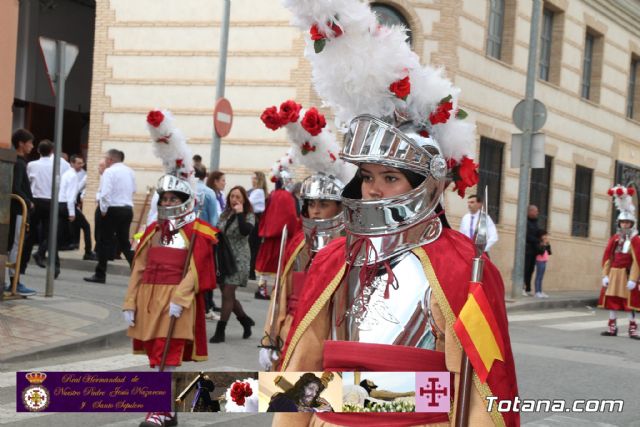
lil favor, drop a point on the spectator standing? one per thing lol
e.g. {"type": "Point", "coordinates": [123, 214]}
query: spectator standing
{"type": "Point", "coordinates": [71, 186]}
{"type": "Point", "coordinates": [257, 197]}
{"type": "Point", "coordinates": [469, 223]}
{"type": "Point", "coordinates": [544, 250]}
{"type": "Point", "coordinates": [22, 142]}
{"type": "Point", "coordinates": [216, 181]}
{"type": "Point", "coordinates": [207, 206]}
{"type": "Point", "coordinates": [40, 174]}
{"type": "Point", "coordinates": [531, 248]}
{"type": "Point", "coordinates": [117, 187]}
{"type": "Point", "coordinates": [197, 161]}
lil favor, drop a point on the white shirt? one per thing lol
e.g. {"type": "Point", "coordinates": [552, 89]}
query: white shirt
{"type": "Point", "coordinates": [40, 173]}
{"type": "Point", "coordinates": [71, 184]}
{"type": "Point", "coordinates": [117, 185]}
{"type": "Point", "coordinates": [256, 197]}
{"type": "Point", "coordinates": [469, 231]}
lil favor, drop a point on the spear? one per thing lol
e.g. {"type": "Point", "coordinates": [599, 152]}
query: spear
{"type": "Point", "coordinates": [466, 371]}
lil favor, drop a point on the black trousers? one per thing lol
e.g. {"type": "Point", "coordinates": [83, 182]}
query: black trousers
{"type": "Point", "coordinates": [117, 221]}
{"type": "Point", "coordinates": [40, 221]}
{"type": "Point", "coordinates": [81, 224]}
{"type": "Point", "coordinates": [254, 244]}
{"type": "Point", "coordinates": [529, 266]}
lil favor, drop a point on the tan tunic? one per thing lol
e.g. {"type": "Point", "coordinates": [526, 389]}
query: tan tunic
{"type": "Point", "coordinates": [618, 277]}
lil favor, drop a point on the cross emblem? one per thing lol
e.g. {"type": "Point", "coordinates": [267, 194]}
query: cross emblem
{"type": "Point", "coordinates": [433, 391]}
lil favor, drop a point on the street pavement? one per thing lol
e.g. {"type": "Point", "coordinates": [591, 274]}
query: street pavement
{"type": "Point", "coordinates": [556, 343]}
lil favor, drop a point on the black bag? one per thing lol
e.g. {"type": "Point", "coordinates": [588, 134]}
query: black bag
{"type": "Point", "coordinates": [225, 260]}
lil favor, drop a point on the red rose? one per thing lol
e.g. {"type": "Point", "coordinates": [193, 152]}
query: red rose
{"type": "Point", "coordinates": [337, 31]}
{"type": "Point", "coordinates": [307, 148]}
{"type": "Point", "coordinates": [289, 112]}
{"type": "Point", "coordinates": [155, 117]}
{"type": "Point", "coordinates": [441, 114]}
{"type": "Point", "coordinates": [401, 88]}
{"type": "Point", "coordinates": [424, 134]}
{"type": "Point", "coordinates": [313, 122]}
{"type": "Point", "coordinates": [466, 174]}
{"type": "Point", "coordinates": [271, 118]}
{"type": "Point", "coordinates": [610, 192]}
{"type": "Point", "coordinates": [631, 191]}
{"type": "Point", "coordinates": [316, 34]}
{"type": "Point", "coordinates": [619, 191]}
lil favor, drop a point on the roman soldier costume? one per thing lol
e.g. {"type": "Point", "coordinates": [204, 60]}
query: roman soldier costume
{"type": "Point", "coordinates": [315, 148]}
{"type": "Point", "coordinates": [172, 267]}
{"type": "Point", "coordinates": [620, 268]}
{"type": "Point", "coordinates": [387, 296]}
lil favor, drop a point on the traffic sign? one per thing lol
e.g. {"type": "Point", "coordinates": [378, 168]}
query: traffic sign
{"type": "Point", "coordinates": [49, 51]}
{"type": "Point", "coordinates": [539, 115]}
{"type": "Point", "coordinates": [222, 117]}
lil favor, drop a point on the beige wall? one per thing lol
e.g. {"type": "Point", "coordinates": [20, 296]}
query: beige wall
{"type": "Point", "coordinates": [162, 53]}
{"type": "Point", "coordinates": [8, 40]}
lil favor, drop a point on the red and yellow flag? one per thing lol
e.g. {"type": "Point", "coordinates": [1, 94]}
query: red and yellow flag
{"type": "Point", "coordinates": [478, 332]}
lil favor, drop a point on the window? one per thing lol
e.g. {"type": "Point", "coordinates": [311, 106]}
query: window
{"type": "Point", "coordinates": [389, 16]}
{"type": "Point", "coordinates": [582, 202]}
{"type": "Point", "coordinates": [540, 189]}
{"type": "Point", "coordinates": [633, 96]}
{"type": "Point", "coordinates": [545, 44]}
{"type": "Point", "coordinates": [491, 154]}
{"type": "Point", "coordinates": [496, 25]}
{"type": "Point", "coordinates": [592, 66]}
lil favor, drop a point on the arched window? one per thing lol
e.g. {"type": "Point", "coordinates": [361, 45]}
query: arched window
{"type": "Point", "coordinates": [390, 16]}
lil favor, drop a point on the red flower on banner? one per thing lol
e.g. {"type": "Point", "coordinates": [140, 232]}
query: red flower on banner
{"type": "Point", "coordinates": [307, 148]}
{"type": "Point", "coordinates": [155, 118]}
{"type": "Point", "coordinates": [631, 191]}
{"type": "Point", "coordinates": [465, 175]}
{"type": "Point", "coordinates": [240, 391]}
{"type": "Point", "coordinates": [401, 88]}
{"type": "Point", "coordinates": [271, 118]}
{"type": "Point", "coordinates": [289, 112]}
{"type": "Point", "coordinates": [619, 191]}
{"type": "Point", "coordinates": [313, 122]}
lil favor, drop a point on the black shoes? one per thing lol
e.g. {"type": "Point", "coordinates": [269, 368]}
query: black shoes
{"type": "Point", "coordinates": [246, 323]}
{"type": "Point", "coordinates": [95, 279]}
{"type": "Point", "coordinates": [219, 335]}
{"type": "Point", "coordinates": [90, 256]}
{"type": "Point", "coordinates": [39, 259]}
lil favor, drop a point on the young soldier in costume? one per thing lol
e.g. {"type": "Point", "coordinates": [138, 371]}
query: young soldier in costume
{"type": "Point", "coordinates": [172, 267]}
{"type": "Point", "coordinates": [392, 304]}
{"type": "Point", "coordinates": [620, 269]}
{"type": "Point", "coordinates": [315, 148]}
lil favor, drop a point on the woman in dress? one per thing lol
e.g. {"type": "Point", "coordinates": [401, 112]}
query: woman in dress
{"type": "Point", "coordinates": [236, 222]}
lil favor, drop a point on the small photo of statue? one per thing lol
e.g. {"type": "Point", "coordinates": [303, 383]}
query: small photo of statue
{"type": "Point", "coordinates": [378, 392]}
{"type": "Point", "coordinates": [300, 391]}
{"type": "Point", "coordinates": [216, 391]}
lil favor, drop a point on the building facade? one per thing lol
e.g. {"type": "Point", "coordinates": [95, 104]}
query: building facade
{"type": "Point", "coordinates": [164, 54]}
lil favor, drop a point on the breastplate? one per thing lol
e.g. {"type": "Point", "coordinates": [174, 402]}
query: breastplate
{"type": "Point", "coordinates": [364, 315]}
{"type": "Point", "coordinates": [177, 242]}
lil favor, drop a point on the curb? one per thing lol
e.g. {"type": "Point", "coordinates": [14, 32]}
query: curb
{"type": "Point", "coordinates": [107, 340]}
{"type": "Point", "coordinates": [550, 303]}
{"type": "Point", "coordinates": [89, 266]}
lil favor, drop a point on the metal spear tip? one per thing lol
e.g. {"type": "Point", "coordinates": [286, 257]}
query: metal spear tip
{"type": "Point", "coordinates": [480, 239]}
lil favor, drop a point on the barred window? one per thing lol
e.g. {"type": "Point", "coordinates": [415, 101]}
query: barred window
{"type": "Point", "coordinates": [582, 202]}
{"type": "Point", "coordinates": [491, 155]}
{"type": "Point", "coordinates": [633, 96]}
{"type": "Point", "coordinates": [545, 44]}
{"type": "Point", "coordinates": [586, 65]}
{"type": "Point", "coordinates": [540, 190]}
{"type": "Point", "coordinates": [390, 16]}
{"type": "Point", "coordinates": [496, 27]}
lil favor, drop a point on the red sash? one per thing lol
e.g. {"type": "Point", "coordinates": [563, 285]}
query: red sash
{"type": "Point", "coordinates": [164, 266]}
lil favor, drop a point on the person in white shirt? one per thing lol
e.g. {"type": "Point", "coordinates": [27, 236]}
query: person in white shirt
{"type": "Point", "coordinates": [469, 223]}
{"type": "Point", "coordinates": [40, 173]}
{"type": "Point", "coordinates": [72, 184]}
{"type": "Point", "coordinates": [117, 186]}
{"type": "Point", "coordinates": [257, 196]}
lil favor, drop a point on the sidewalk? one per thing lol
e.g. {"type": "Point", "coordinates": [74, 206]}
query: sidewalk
{"type": "Point", "coordinates": [85, 316]}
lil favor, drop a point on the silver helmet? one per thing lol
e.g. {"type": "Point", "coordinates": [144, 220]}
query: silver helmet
{"type": "Point", "coordinates": [319, 232]}
{"type": "Point", "coordinates": [182, 213]}
{"type": "Point", "coordinates": [393, 224]}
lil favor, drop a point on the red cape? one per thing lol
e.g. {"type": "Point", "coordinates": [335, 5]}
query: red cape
{"type": "Point", "coordinates": [452, 285]}
{"type": "Point", "coordinates": [279, 211]}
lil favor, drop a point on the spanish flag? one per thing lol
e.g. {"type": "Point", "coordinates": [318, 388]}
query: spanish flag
{"type": "Point", "coordinates": [478, 332]}
{"type": "Point", "coordinates": [206, 230]}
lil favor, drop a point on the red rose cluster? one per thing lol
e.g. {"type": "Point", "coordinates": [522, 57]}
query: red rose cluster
{"type": "Point", "coordinates": [274, 119]}
{"type": "Point", "coordinates": [401, 88]}
{"type": "Point", "coordinates": [442, 113]}
{"type": "Point", "coordinates": [465, 174]}
{"type": "Point", "coordinates": [313, 122]}
{"type": "Point", "coordinates": [621, 191]}
{"type": "Point", "coordinates": [155, 118]}
{"type": "Point", "coordinates": [240, 391]}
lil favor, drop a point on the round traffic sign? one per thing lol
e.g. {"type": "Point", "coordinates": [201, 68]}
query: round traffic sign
{"type": "Point", "coordinates": [222, 117]}
{"type": "Point", "coordinates": [539, 115]}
